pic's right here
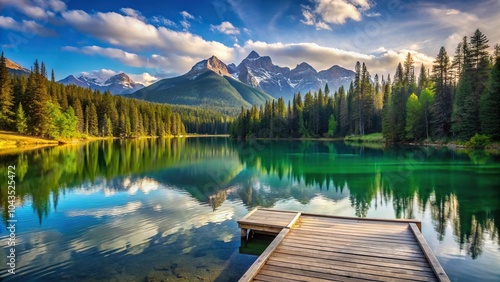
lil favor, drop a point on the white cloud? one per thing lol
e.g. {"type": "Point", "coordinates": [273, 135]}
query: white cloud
{"type": "Point", "coordinates": [321, 58]}
{"type": "Point", "coordinates": [322, 25]}
{"type": "Point", "coordinates": [127, 58]}
{"type": "Point", "coordinates": [458, 23]}
{"type": "Point", "coordinates": [326, 12]}
{"type": "Point", "coordinates": [226, 28]}
{"type": "Point", "coordinates": [133, 13]}
{"type": "Point", "coordinates": [30, 27]}
{"type": "Point", "coordinates": [37, 9]}
{"type": "Point", "coordinates": [309, 18]}
{"type": "Point", "coordinates": [185, 22]}
{"type": "Point", "coordinates": [177, 51]}
{"type": "Point", "coordinates": [452, 12]}
{"type": "Point", "coordinates": [187, 15]}
{"type": "Point", "coordinates": [144, 78]}
{"type": "Point", "coordinates": [163, 21]}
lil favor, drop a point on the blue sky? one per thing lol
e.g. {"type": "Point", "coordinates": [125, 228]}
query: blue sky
{"type": "Point", "coordinates": [155, 39]}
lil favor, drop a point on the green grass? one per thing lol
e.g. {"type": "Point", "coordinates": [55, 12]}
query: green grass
{"type": "Point", "coordinates": [369, 138]}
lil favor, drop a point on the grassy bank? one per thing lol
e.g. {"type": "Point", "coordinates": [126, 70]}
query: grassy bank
{"type": "Point", "coordinates": [12, 140]}
{"type": "Point", "coordinates": [370, 138]}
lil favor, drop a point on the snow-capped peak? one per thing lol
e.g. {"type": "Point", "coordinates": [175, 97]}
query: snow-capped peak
{"type": "Point", "coordinates": [116, 83]}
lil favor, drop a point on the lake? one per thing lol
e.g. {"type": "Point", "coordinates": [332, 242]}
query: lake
{"type": "Point", "coordinates": [158, 209]}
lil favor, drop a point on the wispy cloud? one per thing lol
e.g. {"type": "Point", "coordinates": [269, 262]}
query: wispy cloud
{"type": "Point", "coordinates": [226, 28]}
{"type": "Point", "coordinates": [38, 9]}
{"type": "Point", "coordinates": [26, 26]}
{"type": "Point", "coordinates": [163, 21]}
{"type": "Point", "coordinates": [185, 20]}
{"type": "Point", "coordinates": [133, 13]}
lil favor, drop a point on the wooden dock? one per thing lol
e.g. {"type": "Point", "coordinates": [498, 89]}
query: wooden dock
{"type": "Point", "coordinates": [311, 247]}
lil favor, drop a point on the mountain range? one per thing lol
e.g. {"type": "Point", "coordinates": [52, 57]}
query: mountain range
{"type": "Point", "coordinates": [208, 84]}
{"type": "Point", "coordinates": [116, 84]}
{"type": "Point", "coordinates": [261, 73]}
{"type": "Point", "coordinates": [213, 84]}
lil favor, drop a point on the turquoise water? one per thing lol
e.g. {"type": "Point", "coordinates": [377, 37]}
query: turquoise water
{"type": "Point", "coordinates": [167, 209]}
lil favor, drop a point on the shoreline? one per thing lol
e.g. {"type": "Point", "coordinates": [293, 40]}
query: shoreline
{"type": "Point", "coordinates": [12, 142]}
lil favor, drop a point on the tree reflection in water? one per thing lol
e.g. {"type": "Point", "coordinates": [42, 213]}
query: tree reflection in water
{"type": "Point", "coordinates": [459, 188]}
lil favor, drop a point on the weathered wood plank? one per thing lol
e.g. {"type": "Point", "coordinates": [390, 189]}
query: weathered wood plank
{"type": "Point", "coordinates": [332, 234]}
{"type": "Point", "coordinates": [288, 277]}
{"type": "Point", "coordinates": [268, 278]}
{"type": "Point", "coordinates": [305, 274]}
{"type": "Point", "coordinates": [268, 222]}
{"type": "Point", "coordinates": [394, 234]}
{"type": "Point", "coordinates": [358, 268]}
{"type": "Point", "coordinates": [248, 215]}
{"type": "Point", "coordinates": [319, 270]}
{"type": "Point", "coordinates": [356, 263]}
{"type": "Point", "coordinates": [366, 254]}
{"type": "Point", "coordinates": [362, 244]}
{"type": "Point", "coordinates": [268, 229]}
{"type": "Point", "coordinates": [259, 263]}
{"type": "Point", "coordinates": [355, 248]}
{"type": "Point", "coordinates": [354, 239]}
{"type": "Point", "coordinates": [433, 261]}
{"type": "Point", "coordinates": [382, 220]}
{"type": "Point", "coordinates": [272, 216]}
{"type": "Point", "coordinates": [354, 222]}
{"type": "Point", "coordinates": [294, 220]}
{"type": "Point", "coordinates": [350, 257]}
{"type": "Point", "coordinates": [358, 226]}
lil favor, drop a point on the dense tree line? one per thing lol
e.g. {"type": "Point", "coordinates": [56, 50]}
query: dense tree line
{"type": "Point", "coordinates": [38, 106]}
{"type": "Point", "coordinates": [203, 121]}
{"type": "Point", "coordinates": [457, 99]}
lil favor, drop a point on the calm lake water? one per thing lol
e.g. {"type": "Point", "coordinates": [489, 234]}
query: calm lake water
{"type": "Point", "coordinates": [158, 209]}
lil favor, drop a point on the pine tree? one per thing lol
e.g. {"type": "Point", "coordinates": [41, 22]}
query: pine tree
{"type": "Point", "coordinates": [387, 130]}
{"type": "Point", "coordinates": [6, 96]}
{"type": "Point", "coordinates": [426, 101]}
{"type": "Point", "coordinates": [490, 104]}
{"type": "Point", "coordinates": [465, 120]}
{"type": "Point", "coordinates": [36, 98]}
{"type": "Point", "coordinates": [409, 70]}
{"type": "Point", "coordinates": [480, 69]}
{"type": "Point", "coordinates": [423, 80]}
{"type": "Point", "coordinates": [398, 99]}
{"type": "Point", "coordinates": [93, 121]}
{"type": "Point", "coordinates": [442, 108]}
{"type": "Point", "coordinates": [413, 122]}
{"type": "Point", "coordinates": [79, 115]}
{"type": "Point", "coordinates": [21, 121]}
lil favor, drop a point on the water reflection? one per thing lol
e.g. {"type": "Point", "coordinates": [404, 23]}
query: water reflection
{"type": "Point", "coordinates": [177, 190]}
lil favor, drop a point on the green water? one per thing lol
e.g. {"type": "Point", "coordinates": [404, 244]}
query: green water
{"type": "Point", "coordinates": [154, 210]}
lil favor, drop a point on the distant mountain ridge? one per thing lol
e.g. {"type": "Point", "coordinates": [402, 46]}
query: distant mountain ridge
{"type": "Point", "coordinates": [208, 84]}
{"type": "Point", "coordinates": [260, 72]}
{"type": "Point", "coordinates": [116, 84]}
{"type": "Point", "coordinates": [15, 68]}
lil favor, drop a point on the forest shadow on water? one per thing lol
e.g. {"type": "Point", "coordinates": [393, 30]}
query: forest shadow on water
{"type": "Point", "coordinates": [158, 208]}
